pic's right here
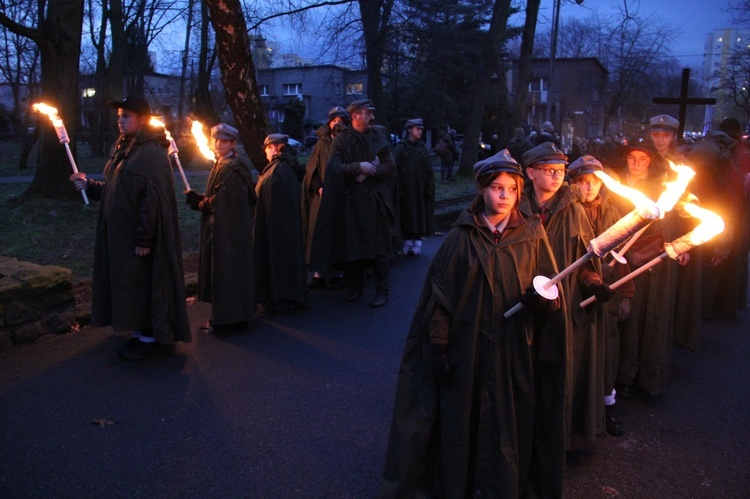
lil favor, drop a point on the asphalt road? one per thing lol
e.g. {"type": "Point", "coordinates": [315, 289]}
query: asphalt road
{"type": "Point", "coordinates": [299, 406]}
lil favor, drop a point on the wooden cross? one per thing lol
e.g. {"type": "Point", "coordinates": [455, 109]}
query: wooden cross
{"type": "Point", "coordinates": [683, 101]}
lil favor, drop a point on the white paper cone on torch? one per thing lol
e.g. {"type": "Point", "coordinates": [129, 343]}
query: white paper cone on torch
{"type": "Point", "coordinates": [62, 135]}
{"type": "Point", "coordinates": [172, 150]}
{"type": "Point", "coordinates": [711, 225]}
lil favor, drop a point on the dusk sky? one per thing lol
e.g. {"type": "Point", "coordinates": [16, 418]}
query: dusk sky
{"type": "Point", "coordinates": [693, 18]}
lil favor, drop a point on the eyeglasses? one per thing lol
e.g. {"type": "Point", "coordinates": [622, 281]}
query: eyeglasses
{"type": "Point", "coordinates": [552, 172]}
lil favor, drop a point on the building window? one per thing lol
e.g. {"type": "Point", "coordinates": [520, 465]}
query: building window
{"type": "Point", "coordinates": [338, 89]}
{"type": "Point", "coordinates": [89, 92]}
{"type": "Point", "coordinates": [354, 88]}
{"type": "Point", "coordinates": [280, 116]}
{"type": "Point", "coordinates": [264, 90]}
{"type": "Point", "coordinates": [292, 88]}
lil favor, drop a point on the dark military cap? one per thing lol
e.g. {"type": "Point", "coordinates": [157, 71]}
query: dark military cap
{"type": "Point", "coordinates": [545, 153]}
{"type": "Point", "coordinates": [500, 162]}
{"type": "Point", "coordinates": [638, 144]}
{"type": "Point", "coordinates": [414, 122]}
{"type": "Point", "coordinates": [224, 131]}
{"type": "Point", "coordinates": [731, 126]}
{"type": "Point", "coordinates": [359, 105]}
{"type": "Point", "coordinates": [139, 105]}
{"type": "Point", "coordinates": [336, 112]}
{"type": "Point", "coordinates": [583, 165]}
{"type": "Point", "coordinates": [276, 138]}
{"type": "Point", "coordinates": [664, 122]}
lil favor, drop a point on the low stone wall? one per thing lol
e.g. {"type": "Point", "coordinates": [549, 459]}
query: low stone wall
{"type": "Point", "coordinates": [34, 300]}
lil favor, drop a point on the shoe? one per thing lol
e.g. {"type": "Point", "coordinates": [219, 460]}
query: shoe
{"type": "Point", "coordinates": [407, 248]}
{"type": "Point", "coordinates": [316, 283]}
{"type": "Point", "coordinates": [416, 250]}
{"type": "Point", "coordinates": [353, 295]}
{"type": "Point", "coordinates": [381, 298]}
{"type": "Point", "coordinates": [131, 342]}
{"type": "Point", "coordinates": [613, 422]}
{"type": "Point", "coordinates": [280, 306]}
{"type": "Point", "coordinates": [140, 350]}
{"type": "Point", "coordinates": [625, 391]}
{"type": "Point", "coordinates": [335, 282]}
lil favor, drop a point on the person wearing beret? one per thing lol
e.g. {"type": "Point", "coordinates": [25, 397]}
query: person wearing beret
{"type": "Point", "coordinates": [569, 232]}
{"type": "Point", "coordinates": [471, 414]}
{"type": "Point", "coordinates": [226, 273]}
{"type": "Point", "coordinates": [602, 214]}
{"type": "Point", "coordinates": [138, 279]}
{"type": "Point", "coordinates": [280, 270]}
{"type": "Point", "coordinates": [416, 188]}
{"type": "Point", "coordinates": [355, 226]}
{"type": "Point", "coordinates": [312, 191]}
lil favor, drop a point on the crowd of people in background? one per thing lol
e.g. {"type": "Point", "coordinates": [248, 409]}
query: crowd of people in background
{"type": "Point", "coordinates": [486, 402]}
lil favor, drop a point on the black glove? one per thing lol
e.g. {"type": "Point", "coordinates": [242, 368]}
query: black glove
{"type": "Point", "coordinates": [602, 292]}
{"type": "Point", "coordinates": [193, 199]}
{"type": "Point", "coordinates": [538, 304]}
{"type": "Point", "coordinates": [441, 367]}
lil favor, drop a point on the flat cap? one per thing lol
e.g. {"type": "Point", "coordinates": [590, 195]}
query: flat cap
{"type": "Point", "coordinates": [359, 105]}
{"type": "Point", "coordinates": [664, 122]}
{"type": "Point", "coordinates": [414, 122]}
{"type": "Point", "coordinates": [276, 138]}
{"type": "Point", "coordinates": [583, 165]}
{"type": "Point", "coordinates": [545, 153]}
{"type": "Point", "coordinates": [139, 105]}
{"type": "Point", "coordinates": [224, 131]}
{"type": "Point", "coordinates": [336, 112]}
{"type": "Point", "coordinates": [500, 162]}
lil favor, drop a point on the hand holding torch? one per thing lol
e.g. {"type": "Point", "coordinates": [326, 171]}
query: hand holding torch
{"type": "Point", "coordinates": [62, 135]}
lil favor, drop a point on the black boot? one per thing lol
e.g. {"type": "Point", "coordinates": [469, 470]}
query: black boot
{"type": "Point", "coordinates": [613, 422]}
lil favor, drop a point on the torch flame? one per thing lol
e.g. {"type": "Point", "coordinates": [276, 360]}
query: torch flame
{"type": "Point", "coordinates": [711, 224]}
{"type": "Point", "coordinates": [634, 195]}
{"type": "Point", "coordinates": [159, 123]}
{"type": "Point", "coordinates": [51, 113]}
{"type": "Point", "coordinates": [673, 190]}
{"type": "Point", "coordinates": [202, 141]}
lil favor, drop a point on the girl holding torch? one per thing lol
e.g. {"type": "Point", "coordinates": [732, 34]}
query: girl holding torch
{"type": "Point", "coordinates": [138, 279]}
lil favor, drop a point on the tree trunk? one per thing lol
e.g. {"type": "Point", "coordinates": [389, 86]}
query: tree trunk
{"type": "Point", "coordinates": [524, 63]}
{"type": "Point", "coordinates": [238, 76]}
{"type": "Point", "coordinates": [59, 42]}
{"type": "Point", "coordinates": [375, 16]}
{"type": "Point", "coordinates": [489, 64]}
{"type": "Point", "coordinates": [203, 106]}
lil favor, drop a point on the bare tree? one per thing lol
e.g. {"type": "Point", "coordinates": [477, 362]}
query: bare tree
{"type": "Point", "coordinates": [733, 81]}
{"type": "Point", "coordinates": [524, 61]}
{"type": "Point", "coordinates": [238, 75]}
{"type": "Point", "coordinates": [57, 32]}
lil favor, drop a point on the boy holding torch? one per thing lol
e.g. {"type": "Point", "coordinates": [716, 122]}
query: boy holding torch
{"type": "Point", "coordinates": [138, 279]}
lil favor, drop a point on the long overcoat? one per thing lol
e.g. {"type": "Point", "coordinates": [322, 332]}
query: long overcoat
{"type": "Point", "coordinates": [226, 273]}
{"type": "Point", "coordinates": [138, 208]}
{"type": "Point", "coordinates": [416, 182]}
{"type": "Point", "coordinates": [495, 427]}
{"type": "Point", "coordinates": [279, 247]}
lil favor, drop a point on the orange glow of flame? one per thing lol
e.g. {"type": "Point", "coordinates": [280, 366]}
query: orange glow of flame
{"type": "Point", "coordinates": [159, 123]}
{"type": "Point", "coordinates": [673, 190]}
{"type": "Point", "coordinates": [711, 224]}
{"type": "Point", "coordinates": [634, 195]}
{"type": "Point", "coordinates": [50, 111]}
{"type": "Point", "coordinates": [202, 141]}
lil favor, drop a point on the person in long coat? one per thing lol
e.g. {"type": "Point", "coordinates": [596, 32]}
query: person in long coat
{"type": "Point", "coordinates": [356, 217]}
{"type": "Point", "coordinates": [280, 270]}
{"type": "Point", "coordinates": [603, 214]}
{"type": "Point", "coordinates": [416, 188]}
{"type": "Point", "coordinates": [569, 232]}
{"type": "Point", "coordinates": [312, 191]}
{"type": "Point", "coordinates": [138, 279]}
{"type": "Point", "coordinates": [226, 273]}
{"type": "Point", "coordinates": [478, 408]}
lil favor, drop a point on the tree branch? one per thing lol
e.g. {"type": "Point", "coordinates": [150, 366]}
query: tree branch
{"type": "Point", "coordinates": [296, 11]}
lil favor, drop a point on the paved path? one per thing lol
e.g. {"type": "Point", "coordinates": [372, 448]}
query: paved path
{"type": "Point", "coordinates": [300, 405]}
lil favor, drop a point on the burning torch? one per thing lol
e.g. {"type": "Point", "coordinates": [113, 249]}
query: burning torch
{"type": "Point", "coordinates": [711, 225]}
{"type": "Point", "coordinates": [668, 198]}
{"type": "Point", "coordinates": [201, 140]}
{"type": "Point", "coordinates": [643, 214]}
{"type": "Point", "coordinates": [172, 151]}
{"type": "Point", "coordinates": [62, 134]}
